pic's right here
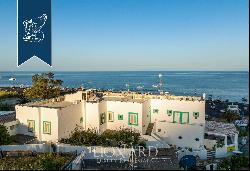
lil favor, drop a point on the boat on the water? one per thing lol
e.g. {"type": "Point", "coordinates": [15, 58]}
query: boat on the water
{"type": "Point", "coordinates": [12, 79]}
{"type": "Point", "coordinates": [155, 86]}
{"type": "Point", "coordinates": [140, 87]}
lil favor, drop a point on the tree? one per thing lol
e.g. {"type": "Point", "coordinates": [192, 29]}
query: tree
{"type": "Point", "coordinates": [4, 136]}
{"type": "Point", "coordinates": [235, 162]}
{"type": "Point", "coordinates": [230, 116]}
{"type": "Point", "coordinates": [242, 131]}
{"type": "Point", "coordinates": [44, 86]}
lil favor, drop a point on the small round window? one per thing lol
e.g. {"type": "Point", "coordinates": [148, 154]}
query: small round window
{"type": "Point", "coordinates": [180, 137]}
{"type": "Point", "coordinates": [197, 139]}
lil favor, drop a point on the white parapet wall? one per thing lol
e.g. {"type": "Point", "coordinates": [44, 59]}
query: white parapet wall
{"type": "Point", "coordinates": [181, 135]}
{"type": "Point", "coordinates": [40, 148]}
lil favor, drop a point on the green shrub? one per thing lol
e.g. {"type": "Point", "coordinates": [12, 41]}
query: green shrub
{"type": "Point", "coordinates": [6, 107]}
{"type": "Point", "coordinates": [8, 94]}
{"type": "Point", "coordinates": [5, 138]}
{"type": "Point", "coordinates": [107, 138]}
{"type": "Point", "coordinates": [46, 161]}
{"type": "Point", "coordinates": [235, 162]}
{"type": "Point", "coordinates": [242, 131]}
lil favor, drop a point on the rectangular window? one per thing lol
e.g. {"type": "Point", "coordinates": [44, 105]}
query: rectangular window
{"type": "Point", "coordinates": [102, 118]}
{"type": "Point", "coordinates": [31, 125]}
{"type": "Point", "coordinates": [120, 117]}
{"type": "Point", "coordinates": [177, 117]}
{"type": "Point", "coordinates": [155, 110]}
{"type": "Point", "coordinates": [133, 118]}
{"type": "Point", "coordinates": [46, 127]}
{"type": "Point", "coordinates": [184, 117]}
{"type": "Point", "coordinates": [111, 116]}
{"type": "Point", "coordinates": [12, 127]}
{"type": "Point", "coordinates": [196, 115]}
{"type": "Point", "coordinates": [169, 112]}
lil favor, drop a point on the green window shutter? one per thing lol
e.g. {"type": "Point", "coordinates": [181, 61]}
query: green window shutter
{"type": "Point", "coordinates": [155, 110]}
{"type": "Point", "coordinates": [120, 117]}
{"type": "Point", "coordinates": [196, 115]}
{"type": "Point", "coordinates": [177, 117]}
{"type": "Point", "coordinates": [133, 118]}
{"type": "Point", "coordinates": [184, 117]}
{"type": "Point", "coordinates": [169, 112]}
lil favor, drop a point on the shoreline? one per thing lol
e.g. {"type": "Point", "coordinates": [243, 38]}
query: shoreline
{"type": "Point", "coordinates": [65, 90]}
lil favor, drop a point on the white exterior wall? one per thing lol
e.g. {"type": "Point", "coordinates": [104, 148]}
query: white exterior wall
{"type": "Point", "coordinates": [64, 120]}
{"type": "Point", "coordinates": [92, 116]}
{"type": "Point", "coordinates": [68, 119]}
{"type": "Point", "coordinates": [25, 113]}
{"type": "Point", "coordinates": [49, 115]}
{"type": "Point", "coordinates": [177, 105]}
{"type": "Point", "coordinates": [170, 132]}
{"type": "Point", "coordinates": [124, 108]}
{"type": "Point", "coordinates": [146, 114]}
{"type": "Point", "coordinates": [73, 97]}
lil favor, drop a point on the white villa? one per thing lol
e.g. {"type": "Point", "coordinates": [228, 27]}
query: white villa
{"type": "Point", "coordinates": [176, 120]}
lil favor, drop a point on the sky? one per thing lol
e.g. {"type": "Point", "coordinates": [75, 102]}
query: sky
{"type": "Point", "coordinates": [131, 35]}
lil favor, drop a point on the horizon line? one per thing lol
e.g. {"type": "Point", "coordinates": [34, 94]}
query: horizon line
{"type": "Point", "coordinates": [128, 71]}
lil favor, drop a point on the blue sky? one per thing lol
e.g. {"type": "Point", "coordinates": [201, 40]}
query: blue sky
{"type": "Point", "coordinates": [138, 35]}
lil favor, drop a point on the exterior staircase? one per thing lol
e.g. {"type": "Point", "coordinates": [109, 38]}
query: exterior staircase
{"type": "Point", "coordinates": [159, 139]}
{"type": "Point", "coordinates": [210, 154]}
{"type": "Point", "coordinates": [149, 128]}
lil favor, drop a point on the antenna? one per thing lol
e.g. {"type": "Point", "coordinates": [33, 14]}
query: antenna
{"type": "Point", "coordinates": [160, 84]}
{"type": "Point", "coordinates": [127, 86]}
{"type": "Point", "coordinates": [140, 87]}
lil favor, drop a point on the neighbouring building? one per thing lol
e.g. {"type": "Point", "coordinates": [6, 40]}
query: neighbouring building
{"type": "Point", "coordinates": [8, 119]}
{"type": "Point", "coordinates": [221, 139]}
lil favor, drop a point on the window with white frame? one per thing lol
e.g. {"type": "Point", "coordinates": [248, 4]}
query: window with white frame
{"type": "Point", "coordinates": [169, 112]}
{"type": "Point", "coordinates": [46, 127]}
{"type": "Point", "coordinates": [111, 116]}
{"type": "Point", "coordinates": [102, 118]}
{"type": "Point", "coordinates": [196, 114]}
{"type": "Point", "coordinates": [155, 110]}
{"type": "Point", "coordinates": [31, 125]}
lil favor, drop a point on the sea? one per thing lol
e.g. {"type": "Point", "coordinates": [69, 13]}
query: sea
{"type": "Point", "coordinates": [232, 86]}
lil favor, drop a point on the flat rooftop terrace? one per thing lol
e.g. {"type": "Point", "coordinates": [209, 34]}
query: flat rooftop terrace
{"type": "Point", "coordinates": [48, 104]}
{"type": "Point", "coordinates": [124, 99]}
{"type": "Point", "coordinates": [135, 95]}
